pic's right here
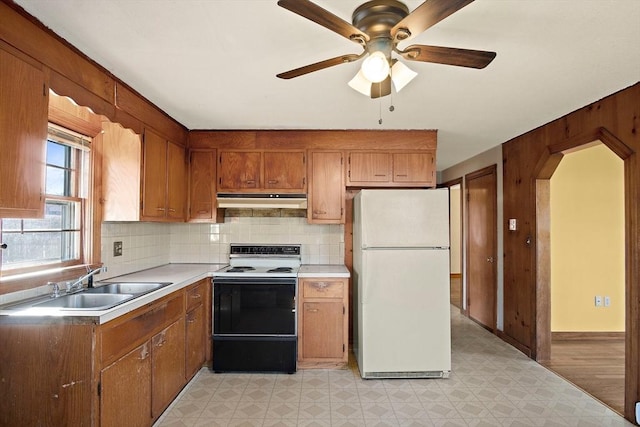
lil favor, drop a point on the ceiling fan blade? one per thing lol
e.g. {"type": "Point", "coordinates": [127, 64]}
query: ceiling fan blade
{"type": "Point", "coordinates": [425, 16]}
{"type": "Point", "coordinates": [320, 16]}
{"type": "Point", "coordinates": [448, 56]}
{"type": "Point", "coordinates": [381, 89]}
{"type": "Point", "coordinates": [319, 66]}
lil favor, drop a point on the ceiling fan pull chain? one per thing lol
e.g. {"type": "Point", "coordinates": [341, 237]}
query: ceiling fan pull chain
{"type": "Point", "coordinates": [379, 109]}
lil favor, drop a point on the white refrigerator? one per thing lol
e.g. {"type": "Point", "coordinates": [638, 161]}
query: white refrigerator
{"type": "Point", "coordinates": [402, 325]}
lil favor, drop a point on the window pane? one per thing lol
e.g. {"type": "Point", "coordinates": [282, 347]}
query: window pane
{"type": "Point", "coordinates": [57, 181]}
{"type": "Point", "coordinates": [57, 154]}
{"type": "Point", "coordinates": [10, 224]}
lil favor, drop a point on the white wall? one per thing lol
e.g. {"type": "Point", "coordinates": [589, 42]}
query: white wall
{"type": "Point", "coordinates": [482, 160]}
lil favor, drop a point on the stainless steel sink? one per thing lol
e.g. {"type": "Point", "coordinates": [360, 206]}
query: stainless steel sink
{"type": "Point", "coordinates": [135, 288]}
{"type": "Point", "coordinates": [85, 301]}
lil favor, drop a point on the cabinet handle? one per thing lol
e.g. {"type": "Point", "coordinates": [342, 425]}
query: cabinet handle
{"type": "Point", "coordinates": [273, 181]}
{"type": "Point", "coordinates": [160, 209]}
{"type": "Point", "coordinates": [320, 212]}
{"type": "Point", "coordinates": [191, 318]}
{"type": "Point", "coordinates": [380, 174]}
{"type": "Point", "coordinates": [144, 353]}
{"type": "Point", "coordinates": [3, 246]}
{"type": "Point", "coordinates": [171, 210]}
{"type": "Point", "coordinates": [402, 175]}
{"type": "Point", "coordinates": [196, 296]}
{"type": "Point", "coordinates": [312, 310]}
{"type": "Point", "coordinates": [320, 285]}
{"type": "Point", "coordinates": [250, 181]}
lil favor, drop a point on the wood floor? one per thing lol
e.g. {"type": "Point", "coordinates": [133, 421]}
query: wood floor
{"type": "Point", "coordinates": [594, 365]}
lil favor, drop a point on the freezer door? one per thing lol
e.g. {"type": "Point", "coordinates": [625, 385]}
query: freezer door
{"type": "Point", "coordinates": [403, 218]}
{"type": "Point", "coordinates": [404, 311]}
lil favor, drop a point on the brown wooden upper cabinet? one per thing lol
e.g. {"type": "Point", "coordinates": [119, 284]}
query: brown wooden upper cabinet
{"type": "Point", "coordinates": [326, 187]}
{"type": "Point", "coordinates": [391, 169]}
{"type": "Point", "coordinates": [163, 179]}
{"type": "Point", "coordinates": [202, 186]}
{"type": "Point", "coordinates": [262, 171]}
{"type": "Point", "coordinates": [23, 134]}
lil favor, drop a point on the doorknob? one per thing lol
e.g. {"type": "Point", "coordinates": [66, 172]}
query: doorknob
{"type": "Point", "coordinates": [490, 259]}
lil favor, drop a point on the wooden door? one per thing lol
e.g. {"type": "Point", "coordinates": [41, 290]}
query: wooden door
{"type": "Point", "coordinates": [125, 395]}
{"type": "Point", "coordinates": [154, 176]}
{"type": "Point", "coordinates": [167, 366]}
{"type": "Point", "coordinates": [285, 171]}
{"type": "Point", "coordinates": [202, 186]}
{"type": "Point", "coordinates": [414, 168]}
{"type": "Point", "coordinates": [23, 133]}
{"type": "Point", "coordinates": [326, 187]}
{"type": "Point", "coordinates": [176, 182]}
{"type": "Point", "coordinates": [369, 168]}
{"type": "Point", "coordinates": [239, 170]}
{"type": "Point", "coordinates": [481, 246]}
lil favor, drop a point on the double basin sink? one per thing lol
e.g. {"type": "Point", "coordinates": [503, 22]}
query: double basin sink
{"type": "Point", "coordinates": [100, 297]}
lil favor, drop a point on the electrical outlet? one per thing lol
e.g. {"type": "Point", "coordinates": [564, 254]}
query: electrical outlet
{"type": "Point", "coordinates": [598, 301]}
{"type": "Point", "coordinates": [117, 248]}
{"type": "Point", "coordinates": [607, 301]}
{"type": "Point", "coordinates": [513, 224]}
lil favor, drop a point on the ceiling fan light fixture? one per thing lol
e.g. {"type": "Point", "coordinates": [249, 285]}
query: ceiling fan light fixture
{"type": "Point", "coordinates": [401, 75]}
{"type": "Point", "coordinates": [361, 84]}
{"type": "Point", "coordinates": [375, 67]}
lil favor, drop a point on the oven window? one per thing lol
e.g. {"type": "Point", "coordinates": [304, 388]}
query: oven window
{"type": "Point", "coordinates": [254, 309]}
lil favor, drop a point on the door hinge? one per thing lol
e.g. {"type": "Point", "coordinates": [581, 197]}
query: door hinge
{"type": "Point", "coordinates": [304, 181]}
{"type": "Point", "coordinates": [344, 311]}
{"type": "Point", "coordinates": [44, 89]}
{"type": "Point", "coordinates": [100, 388]}
{"type": "Point", "coordinates": [343, 348]}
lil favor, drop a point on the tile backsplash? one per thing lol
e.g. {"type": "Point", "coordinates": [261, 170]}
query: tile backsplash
{"type": "Point", "coordinates": [147, 245]}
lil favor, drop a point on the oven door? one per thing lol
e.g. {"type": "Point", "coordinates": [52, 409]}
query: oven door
{"type": "Point", "coordinates": [254, 306]}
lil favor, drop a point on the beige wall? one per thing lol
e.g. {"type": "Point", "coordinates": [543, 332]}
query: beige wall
{"type": "Point", "coordinates": [587, 241]}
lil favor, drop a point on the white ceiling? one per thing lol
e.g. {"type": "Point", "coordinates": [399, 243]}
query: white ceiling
{"type": "Point", "coordinates": [211, 64]}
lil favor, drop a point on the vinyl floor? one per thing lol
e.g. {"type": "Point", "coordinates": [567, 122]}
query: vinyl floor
{"type": "Point", "coordinates": [491, 384]}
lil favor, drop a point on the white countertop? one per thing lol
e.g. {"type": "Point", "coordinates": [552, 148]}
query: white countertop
{"type": "Point", "coordinates": [180, 275]}
{"type": "Point", "coordinates": [323, 270]}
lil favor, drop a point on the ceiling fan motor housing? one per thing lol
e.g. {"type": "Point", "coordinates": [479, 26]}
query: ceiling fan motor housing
{"type": "Point", "coordinates": [376, 18]}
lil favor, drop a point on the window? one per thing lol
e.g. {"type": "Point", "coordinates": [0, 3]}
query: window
{"type": "Point", "coordinates": [57, 239]}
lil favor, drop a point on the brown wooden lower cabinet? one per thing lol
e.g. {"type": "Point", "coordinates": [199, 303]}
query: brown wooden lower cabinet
{"type": "Point", "coordinates": [70, 371]}
{"type": "Point", "coordinates": [125, 390]}
{"type": "Point", "coordinates": [323, 336]}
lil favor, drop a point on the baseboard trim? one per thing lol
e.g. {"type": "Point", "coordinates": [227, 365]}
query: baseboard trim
{"type": "Point", "coordinates": [587, 336]}
{"type": "Point", "coordinates": [506, 338]}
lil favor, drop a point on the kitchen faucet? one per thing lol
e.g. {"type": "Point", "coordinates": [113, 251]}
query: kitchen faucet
{"type": "Point", "coordinates": [77, 285]}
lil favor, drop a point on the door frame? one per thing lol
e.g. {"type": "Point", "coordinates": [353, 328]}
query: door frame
{"type": "Point", "coordinates": [448, 185]}
{"type": "Point", "coordinates": [489, 170]}
{"type": "Point", "coordinates": [543, 171]}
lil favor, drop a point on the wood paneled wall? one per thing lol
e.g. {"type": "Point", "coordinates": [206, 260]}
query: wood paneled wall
{"type": "Point", "coordinates": [616, 119]}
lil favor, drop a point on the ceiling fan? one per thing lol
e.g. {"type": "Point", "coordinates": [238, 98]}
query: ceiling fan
{"type": "Point", "coordinates": [378, 26]}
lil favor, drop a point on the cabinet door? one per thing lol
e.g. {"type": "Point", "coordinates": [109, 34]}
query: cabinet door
{"type": "Point", "coordinates": [121, 159]}
{"type": "Point", "coordinates": [125, 395]}
{"type": "Point", "coordinates": [239, 170]}
{"type": "Point", "coordinates": [285, 171]}
{"type": "Point", "coordinates": [23, 132]}
{"type": "Point", "coordinates": [167, 366]}
{"type": "Point", "coordinates": [176, 182]}
{"type": "Point", "coordinates": [154, 176]}
{"type": "Point", "coordinates": [202, 186]}
{"type": "Point", "coordinates": [369, 168]}
{"type": "Point", "coordinates": [413, 168]}
{"type": "Point", "coordinates": [322, 330]}
{"type": "Point", "coordinates": [195, 341]}
{"type": "Point", "coordinates": [326, 188]}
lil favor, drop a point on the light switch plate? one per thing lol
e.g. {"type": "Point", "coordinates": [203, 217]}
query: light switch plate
{"type": "Point", "coordinates": [638, 412]}
{"type": "Point", "coordinates": [513, 224]}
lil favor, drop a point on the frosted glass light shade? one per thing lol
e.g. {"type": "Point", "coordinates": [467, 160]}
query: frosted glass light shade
{"type": "Point", "coordinates": [401, 75]}
{"type": "Point", "coordinates": [360, 83]}
{"type": "Point", "coordinates": [375, 67]}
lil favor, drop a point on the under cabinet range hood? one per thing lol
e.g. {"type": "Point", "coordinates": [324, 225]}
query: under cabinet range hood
{"type": "Point", "coordinates": [262, 201]}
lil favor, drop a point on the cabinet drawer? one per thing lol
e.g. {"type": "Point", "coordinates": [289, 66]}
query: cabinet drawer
{"type": "Point", "coordinates": [195, 294]}
{"type": "Point", "coordinates": [323, 288]}
{"type": "Point", "coordinates": [118, 338]}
